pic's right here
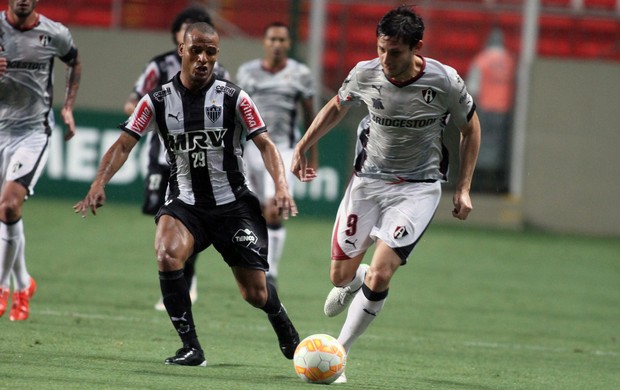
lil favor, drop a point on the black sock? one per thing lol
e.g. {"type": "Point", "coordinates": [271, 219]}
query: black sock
{"type": "Point", "coordinates": [175, 292]}
{"type": "Point", "coordinates": [190, 269]}
{"type": "Point", "coordinates": [273, 305]}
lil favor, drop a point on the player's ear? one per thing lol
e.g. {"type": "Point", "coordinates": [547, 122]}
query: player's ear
{"type": "Point", "coordinates": [180, 49]}
{"type": "Point", "coordinates": [419, 45]}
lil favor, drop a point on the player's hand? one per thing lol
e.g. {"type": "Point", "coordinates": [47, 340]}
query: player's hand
{"type": "Point", "coordinates": [300, 168]}
{"type": "Point", "coordinates": [67, 117]}
{"type": "Point", "coordinates": [285, 204]}
{"type": "Point", "coordinates": [462, 205]}
{"type": "Point", "coordinates": [93, 200]}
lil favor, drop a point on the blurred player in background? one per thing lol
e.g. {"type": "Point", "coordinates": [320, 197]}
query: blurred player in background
{"type": "Point", "coordinates": [202, 120]}
{"type": "Point", "coordinates": [280, 86]}
{"type": "Point", "coordinates": [28, 44]}
{"type": "Point", "coordinates": [400, 165]}
{"type": "Point", "coordinates": [158, 71]}
{"type": "Point", "coordinates": [491, 82]}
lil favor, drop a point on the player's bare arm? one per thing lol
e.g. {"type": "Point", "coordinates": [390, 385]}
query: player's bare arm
{"type": "Point", "coordinates": [111, 162]}
{"type": "Point", "coordinates": [274, 165]}
{"type": "Point", "coordinates": [313, 151]}
{"type": "Point", "coordinates": [330, 115]}
{"type": "Point", "coordinates": [74, 74]}
{"type": "Point", "coordinates": [469, 147]}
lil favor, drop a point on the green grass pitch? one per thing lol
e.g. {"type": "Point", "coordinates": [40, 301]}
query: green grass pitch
{"type": "Point", "coordinates": [473, 309]}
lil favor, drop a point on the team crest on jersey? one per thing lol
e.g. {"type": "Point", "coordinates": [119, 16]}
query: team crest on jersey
{"type": "Point", "coordinates": [45, 39]}
{"type": "Point", "coordinates": [245, 237]}
{"type": "Point", "coordinates": [428, 95]}
{"type": "Point", "coordinates": [377, 104]}
{"type": "Point", "coordinates": [400, 232]}
{"type": "Point", "coordinates": [213, 112]}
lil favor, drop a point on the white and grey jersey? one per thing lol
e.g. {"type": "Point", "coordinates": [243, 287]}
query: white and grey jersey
{"type": "Point", "coordinates": [277, 95]}
{"type": "Point", "coordinates": [161, 68]}
{"type": "Point", "coordinates": [404, 138]}
{"type": "Point", "coordinates": [202, 134]}
{"type": "Point", "coordinates": [26, 89]}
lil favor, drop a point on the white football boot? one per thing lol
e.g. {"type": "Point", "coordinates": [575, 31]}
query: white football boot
{"type": "Point", "coordinates": [339, 298]}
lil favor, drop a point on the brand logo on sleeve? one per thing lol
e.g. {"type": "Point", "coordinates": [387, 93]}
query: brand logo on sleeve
{"type": "Point", "coordinates": [143, 118]}
{"type": "Point", "coordinates": [250, 115]}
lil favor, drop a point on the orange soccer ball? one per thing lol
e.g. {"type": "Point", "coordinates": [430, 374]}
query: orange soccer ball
{"type": "Point", "coordinates": [319, 358]}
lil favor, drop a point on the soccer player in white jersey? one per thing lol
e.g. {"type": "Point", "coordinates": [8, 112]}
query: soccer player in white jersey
{"type": "Point", "coordinates": [29, 42]}
{"type": "Point", "coordinates": [202, 120]}
{"type": "Point", "coordinates": [280, 86]}
{"type": "Point", "coordinates": [158, 71]}
{"type": "Point", "coordinates": [401, 163]}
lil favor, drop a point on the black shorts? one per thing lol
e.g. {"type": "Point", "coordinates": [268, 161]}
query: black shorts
{"type": "Point", "coordinates": [155, 187]}
{"type": "Point", "coordinates": [237, 230]}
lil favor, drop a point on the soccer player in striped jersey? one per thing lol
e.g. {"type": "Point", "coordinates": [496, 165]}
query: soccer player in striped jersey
{"type": "Point", "coordinates": [159, 70]}
{"type": "Point", "coordinates": [281, 87]}
{"type": "Point", "coordinates": [400, 165]}
{"type": "Point", "coordinates": [201, 120]}
{"type": "Point", "coordinates": [29, 42]}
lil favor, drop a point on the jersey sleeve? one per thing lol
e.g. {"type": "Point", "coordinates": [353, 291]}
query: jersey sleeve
{"type": "Point", "coordinates": [348, 94]}
{"type": "Point", "coordinates": [460, 103]}
{"type": "Point", "coordinates": [142, 120]}
{"type": "Point", "coordinates": [65, 48]}
{"type": "Point", "coordinates": [307, 82]}
{"type": "Point", "coordinates": [148, 80]}
{"type": "Point", "coordinates": [249, 116]}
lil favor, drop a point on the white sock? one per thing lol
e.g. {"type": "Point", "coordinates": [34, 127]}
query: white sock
{"type": "Point", "coordinates": [359, 317]}
{"type": "Point", "coordinates": [358, 280]}
{"type": "Point", "coordinates": [21, 277]}
{"type": "Point", "coordinates": [11, 239]}
{"type": "Point", "coordinates": [276, 247]}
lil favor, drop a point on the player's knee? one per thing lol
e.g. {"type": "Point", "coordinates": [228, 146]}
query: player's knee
{"type": "Point", "coordinates": [10, 210]}
{"type": "Point", "coordinates": [255, 296]}
{"type": "Point", "coordinates": [167, 261]}
{"type": "Point", "coordinates": [378, 279]}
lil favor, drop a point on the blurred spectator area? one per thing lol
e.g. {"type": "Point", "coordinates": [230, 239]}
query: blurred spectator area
{"type": "Point", "coordinates": [455, 30]}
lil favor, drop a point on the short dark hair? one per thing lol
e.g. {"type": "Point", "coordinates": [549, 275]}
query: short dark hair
{"type": "Point", "coordinates": [403, 24]}
{"type": "Point", "coordinates": [202, 27]}
{"type": "Point", "coordinates": [276, 24]}
{"type": "Point", "coordinates": [189, 15]}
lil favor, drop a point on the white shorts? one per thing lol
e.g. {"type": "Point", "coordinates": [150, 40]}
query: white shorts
{"type": "Point", "coordinates": [23, 157]}
{"type": "Point", "coordinates": [371, 209]}
{"type": "Point", "coordinates": [259, 179]}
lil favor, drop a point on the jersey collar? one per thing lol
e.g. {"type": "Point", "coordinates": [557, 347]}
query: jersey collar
{"type": "Point", "coordinates": [28, 27]}
{"type": "Point", "coordinates": [412, 80]}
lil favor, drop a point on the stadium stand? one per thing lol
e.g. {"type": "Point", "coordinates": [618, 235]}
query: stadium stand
{"type": "Point", "coordinates": [456, 29]}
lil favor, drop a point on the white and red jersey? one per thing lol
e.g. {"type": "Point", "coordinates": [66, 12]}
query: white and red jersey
{"type": "Point", "coordinates": [26, 89]}
{"type": "Point", "coordinates": [405, 132]}
{"type": "Point", "coordinates": [202, 134]}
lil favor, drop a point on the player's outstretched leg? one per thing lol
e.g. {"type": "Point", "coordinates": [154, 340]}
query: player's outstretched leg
{"type": "Point", "coordinates": [288, 338]}
{"type": "Point", "coordinates": [175, 291]}
{"type": "Point", "coordinates": [339, 298]}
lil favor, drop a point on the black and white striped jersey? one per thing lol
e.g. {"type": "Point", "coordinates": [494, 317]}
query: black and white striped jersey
{"type": "Point", "coordinates": [202, 134]}
{"type": "Point", "coordinates": [26, 87]}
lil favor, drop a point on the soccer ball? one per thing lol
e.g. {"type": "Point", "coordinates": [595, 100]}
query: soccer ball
{"type": "Point", "coordinates": [319, 358]}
